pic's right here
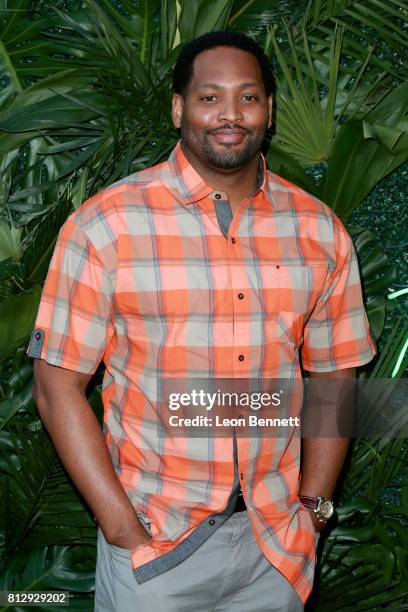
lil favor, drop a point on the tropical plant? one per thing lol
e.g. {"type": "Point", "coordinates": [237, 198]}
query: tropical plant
{"type": "Point", "coordinates": [85, 100]}
{"type": "Point", "coordinates": [367, 552]}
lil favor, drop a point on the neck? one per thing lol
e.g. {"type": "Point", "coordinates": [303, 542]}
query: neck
{"type": "Point", "coordinates": [238, 183]}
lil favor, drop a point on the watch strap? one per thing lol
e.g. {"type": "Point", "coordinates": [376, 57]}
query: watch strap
{"type": "Point", "coordinates": [309, 502]}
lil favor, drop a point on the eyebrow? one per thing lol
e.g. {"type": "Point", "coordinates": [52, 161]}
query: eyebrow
{"type": "Point", "coordinates": [241, 85]}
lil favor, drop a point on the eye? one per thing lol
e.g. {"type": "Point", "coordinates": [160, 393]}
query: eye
{"type": "Point", "coordinates": [250, 97]}
{"type": "Point", "coordinates": [209, 98]}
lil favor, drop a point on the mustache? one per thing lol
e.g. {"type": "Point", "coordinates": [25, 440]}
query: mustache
{"type": "Point", "coordinates": [228, 126]}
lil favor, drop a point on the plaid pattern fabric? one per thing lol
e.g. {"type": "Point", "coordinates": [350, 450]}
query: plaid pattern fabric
{"type": "Point", "coordinates": [143, 279]}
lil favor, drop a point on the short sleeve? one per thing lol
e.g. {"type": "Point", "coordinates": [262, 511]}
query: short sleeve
{"type": "Point", "coordinates": [337, 334]}
{"type": "Point", "coordinates": [73, 325]}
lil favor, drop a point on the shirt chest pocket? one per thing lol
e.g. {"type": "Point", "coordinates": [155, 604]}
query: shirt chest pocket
{"type": "Point", "coordinates": [289, 299]}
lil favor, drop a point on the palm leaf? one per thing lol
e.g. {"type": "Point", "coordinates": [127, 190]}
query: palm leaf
{"type": "Point", "coordinates": [308, 113]}
{"type": "Point", "coordinates": [51, 568]}
{"type": "Point", "coordinates": [141, 27]}
{"type": "Point", "coordinates": [254, 17]}
{"type": "Point", "coordinates": [21, 309]}
{"type": "Point", "coordinates": [24, 56]}
{"type": "Point", "coordinates": [365, 559]}
{"type": "Point", "coordinates": [377, 274]}
{"type": "Point", "coordinates": [168, 27]}
{"type": "Point", "coordinates": [42, 238]}
{"type": "Point", "coordinates": [10, 241]}
{"type": "Point", "coordinates": [287, 166]}
{"type": "Point", "coordinates": [379, 24]}
{"type": "Point", "coordinates": [19, 398]}
{"type": "Point", "coordinates": [198, 17]}
{"type": "Point", "coordinates": [40, 107]}
{"type": "Point", "coordinates": [83, 132]}
{"type": "Point", "coordinates": [359, 160]}
{"type": "Point", "coordinates": [38, 503]}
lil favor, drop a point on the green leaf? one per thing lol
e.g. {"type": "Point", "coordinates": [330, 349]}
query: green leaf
{"type": "Point", "coordinates": [51, 113]}
{"type": "Point", "coordinates": [383, 134]}
{"type": "Point", "coordinates": [17, 318]}
{"type": "Point", "coordinates": [198, 17]}
{"type": "Point", "coordinates": [10, 242]}
{"type": "Point", "coordinates": [312, 102]}
{"type": "Point", "coordinates": [377, 275]}
{"type": "Point", "coordinates": [168, 27]}
{"type": "Point", "coordinates": [24, 57]}
{"type": "Point", "coordinates": [355, 167]}
{"type": "Point", "coordinates": [51, 568]}
{"type": "Point", "coordinates": [17, 401]}
{"type": "Point", "coordinates": [285, 165]}
{"type": "Point", "coordinates": [39, 505]}
{"type": "Point", "coordinates": [141, 26]}
{"type": "Point", "coordinates": [253, 17]}
{"type": "Point", "coordinates": [377, 24]}
{"type": "Point", "coordinates": [392, 109]}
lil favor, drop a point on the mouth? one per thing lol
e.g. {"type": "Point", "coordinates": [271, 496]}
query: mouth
{"type": "Point", "coordinates": [229, 136]}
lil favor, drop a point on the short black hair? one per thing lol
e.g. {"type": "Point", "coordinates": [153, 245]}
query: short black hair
{"type": "Point", "coordinates": [183, 69]}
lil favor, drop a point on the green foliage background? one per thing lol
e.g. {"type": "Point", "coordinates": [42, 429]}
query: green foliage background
{"type": "Point", "coordinates": [84, 100]}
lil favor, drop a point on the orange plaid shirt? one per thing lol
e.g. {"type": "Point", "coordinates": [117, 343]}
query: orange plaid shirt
{"type": "Point", "coordinates": [143, 279]}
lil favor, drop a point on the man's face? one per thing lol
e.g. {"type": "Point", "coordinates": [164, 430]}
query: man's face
{"type": "Point", "coordinates": [225, 111]}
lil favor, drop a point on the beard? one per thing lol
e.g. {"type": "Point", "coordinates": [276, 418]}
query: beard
{"type": "Point", "coordinates": [228, 156]}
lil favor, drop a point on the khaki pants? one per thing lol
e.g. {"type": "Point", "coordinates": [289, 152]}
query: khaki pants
{"type": "Point", "coordinates": [228, 573]}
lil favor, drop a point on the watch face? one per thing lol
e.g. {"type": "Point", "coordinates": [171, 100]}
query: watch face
{"type": "Point", "coordinates": [326, 508]}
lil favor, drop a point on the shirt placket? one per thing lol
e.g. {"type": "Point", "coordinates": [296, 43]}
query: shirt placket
{"type": "Point", "coordinates": [240, 295]}
{"type": "Point", "coordinates": [219, 211]}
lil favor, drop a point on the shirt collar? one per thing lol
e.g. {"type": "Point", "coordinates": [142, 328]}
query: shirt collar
{"type": "Point", "coordinates": [190, 185]}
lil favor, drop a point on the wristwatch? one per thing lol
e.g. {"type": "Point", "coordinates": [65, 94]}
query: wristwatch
{"type": "Point", "coordinates": [322, 507]}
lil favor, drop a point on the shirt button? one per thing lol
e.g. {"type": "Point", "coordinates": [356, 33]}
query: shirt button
{"type": "Point", "coordinates": [241, 358]}
{"type": "Point", "coordinates": [240, 296]}
{"type": "Point", "coordinates": [217, 196]}
{"type": "Point", "coordinates": [233, 240]}
{"type": "Point", "coordinates": [37, 336]}
{"type": "Point", "coordinates": [211, 522]}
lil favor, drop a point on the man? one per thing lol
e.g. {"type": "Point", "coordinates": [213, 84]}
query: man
{"type": "Point", "coordinates": [205, 266]}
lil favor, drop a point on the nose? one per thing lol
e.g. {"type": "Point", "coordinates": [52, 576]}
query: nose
{"type": "Point", "coordinates": [230, 110]}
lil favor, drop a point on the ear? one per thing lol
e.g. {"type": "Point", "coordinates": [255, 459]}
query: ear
{"type": "Point", "coordinates": [270, 107]}
{"type": "Point", "coordinates": [177, 109]}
